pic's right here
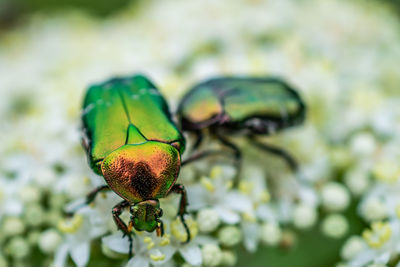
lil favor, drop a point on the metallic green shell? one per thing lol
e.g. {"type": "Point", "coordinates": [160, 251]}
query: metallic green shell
{"type": "Point", "coordinates": [235, 99]}
{"type": "Point", "coordinates": [125, 111]}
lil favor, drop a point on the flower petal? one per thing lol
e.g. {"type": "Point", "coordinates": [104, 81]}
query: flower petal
{"type": "Point", "coordinates": [383, 259]}
{"type": "Point", "coordinates": [266, 213]}
{"type": "Point", "coordinates": [251, 234]}
{"type": "Point", "coordinates": [61, 256]}
{"type": "Point", "coordinates": [227, 215]}
{"type": "Point", "coordinates": [192, 254]}
{"type": "Point", "coordinates": [138, 261]}
{"type": "Point", "coordinates": [237, 202]}
{"type": "Point", "coordinates": [205, 239]}
{"type": "Point", "coordinates": [80, 254]}
{"type": "Point", "coordinates": [167, 252]}
{"type": "Point", "coordinates": [196, 197]}
{"type": "Point", "coordinates": [116, 243]}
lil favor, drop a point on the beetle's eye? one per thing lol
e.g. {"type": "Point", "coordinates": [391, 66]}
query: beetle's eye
{"type": "Point", "coordinates": [177, 145]}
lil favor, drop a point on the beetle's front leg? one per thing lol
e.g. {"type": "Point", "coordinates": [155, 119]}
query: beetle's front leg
{"type": "Point", "coordinates": [89, 198]}
{"type": "Point", "coordinates": [201, 155]}
{"type": "Point", "coordinates": [93, 194]}
{"type": "Point", "coordinates": [199, 140]}
{"type": "Point", "coordinates": [180, 189]}
{"type": "Point", "coordinates": [116, 212]}
{"type": "Point", "coordinates": [236, 153]}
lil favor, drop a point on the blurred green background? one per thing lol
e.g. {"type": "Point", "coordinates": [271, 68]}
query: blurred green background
{"type": "Point", "coordinates": [11, 11]}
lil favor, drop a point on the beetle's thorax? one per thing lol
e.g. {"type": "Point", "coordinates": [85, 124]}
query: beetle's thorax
{"type": "Point", "coordinates": [142, 172]}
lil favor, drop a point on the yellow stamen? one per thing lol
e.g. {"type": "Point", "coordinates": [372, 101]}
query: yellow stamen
{"type": "Point", "coordinates": [249, 217]}
{"type": "Point", "coordinates": [215, 172]}
{"type": "Point", "coordinates": [149, 241]}
{"type": "Point", "coordinates": [70, 225]}
{"type": "Point", "coordinates": [157, 257]}
{"type": "Point", "coordinates": [165, 241]}
{"type": "Point", "coordinates": [379, 234]}
{"type": "Point", "coordinates": [246, 187]}
{"type": "Point", "coordinates": [265, 196]}
{"type": "Point", "coordinates": [229, 184]}
{"type": "Point", "coordinates": [397, 209]}
{"type": "Point", "coordinates": [179, 232]}
{"type": "Point", "coordinates": [386, 171]}
{"type": "Point", "coordinates": [206, 182]}
{"type": "Point", "coordinates": [150, 245]}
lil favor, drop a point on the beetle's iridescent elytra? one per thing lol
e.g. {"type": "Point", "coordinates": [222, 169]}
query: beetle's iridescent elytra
{"type": "Point", "coordinates": [132, 141]}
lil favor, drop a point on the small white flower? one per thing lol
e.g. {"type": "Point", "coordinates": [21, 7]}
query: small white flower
{"type": "Point", "coordinates": [49, 241]}
{"type": "Point", "coordinates": [208, 220]}
{"type": "Point", "coordinates": [335, 196]}
{"type": "Point", "coordinates": [357, 181]}
{"type": "Point", "coordinates": [79, 232]}
{"type": "Point", "coordinates": [373, 208]}
{"type": "Point", "coordinates": [228, 258]}
{"type": "Point", "coordinates": [381, 242]}
{"type": "Point", "coordinates": [270, 234]}
{"type": "Point", "coordinates": [353, 246]}
{"type": "Point", "coordinates": [217, 193]}
{"type": "Point", "coordinates": [304, 216]}
{"type": "Point", "coordinates": [212, 255]}
{"type": "Point", "coordinates": [229, 236]}
{"type": "Point", "coordinates": [29, 194]}
{"type": "Point", "coordinates": [149, 249]}
{"type": "Point", "coordinates": [13, 226]}
{"type": "Point", "coordinates": [363, 144]}
{"type": "Point", "coordinates": [17, 248]}
{"type": "Point", "coordinates": [335, 226]}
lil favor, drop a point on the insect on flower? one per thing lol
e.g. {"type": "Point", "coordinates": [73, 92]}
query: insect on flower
{"type": "Point", "coordinates": [132, 141]}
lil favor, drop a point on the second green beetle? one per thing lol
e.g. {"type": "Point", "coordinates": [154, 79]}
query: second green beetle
{"type": "Point", "coordinates": [132, 141]}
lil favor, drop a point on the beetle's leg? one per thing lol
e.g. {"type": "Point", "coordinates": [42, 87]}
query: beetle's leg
{"type": "Point", "coordinates": [89, 198]}
{"type": "Point", "coordinates": [290, 161]}
{"type": "Point", "coordinates": [180, 189]}
{"type": "Point", "coordinates": [92, 195]}
{"type": "Point", "coordinates": [199, 140]}
{"type": "Point", "coordinates": [236, 153]}
{"type": "Point", "coordinates": [116, 212]}
{"type": "Point", "coordinates": [201, 155]}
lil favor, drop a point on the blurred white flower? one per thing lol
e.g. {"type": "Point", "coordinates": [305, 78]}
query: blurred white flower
{"type": "Point", "coordinates": [335, 196]}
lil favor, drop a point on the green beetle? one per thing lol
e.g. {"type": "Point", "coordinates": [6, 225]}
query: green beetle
{"type": "Point", "coordinates": [131, 140]}
{"type": "Point", "coordinates": [249, 106]}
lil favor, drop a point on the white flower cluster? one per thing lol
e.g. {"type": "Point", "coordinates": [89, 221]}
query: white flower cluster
{"type": "Point", "coordinates": [342, 56]}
